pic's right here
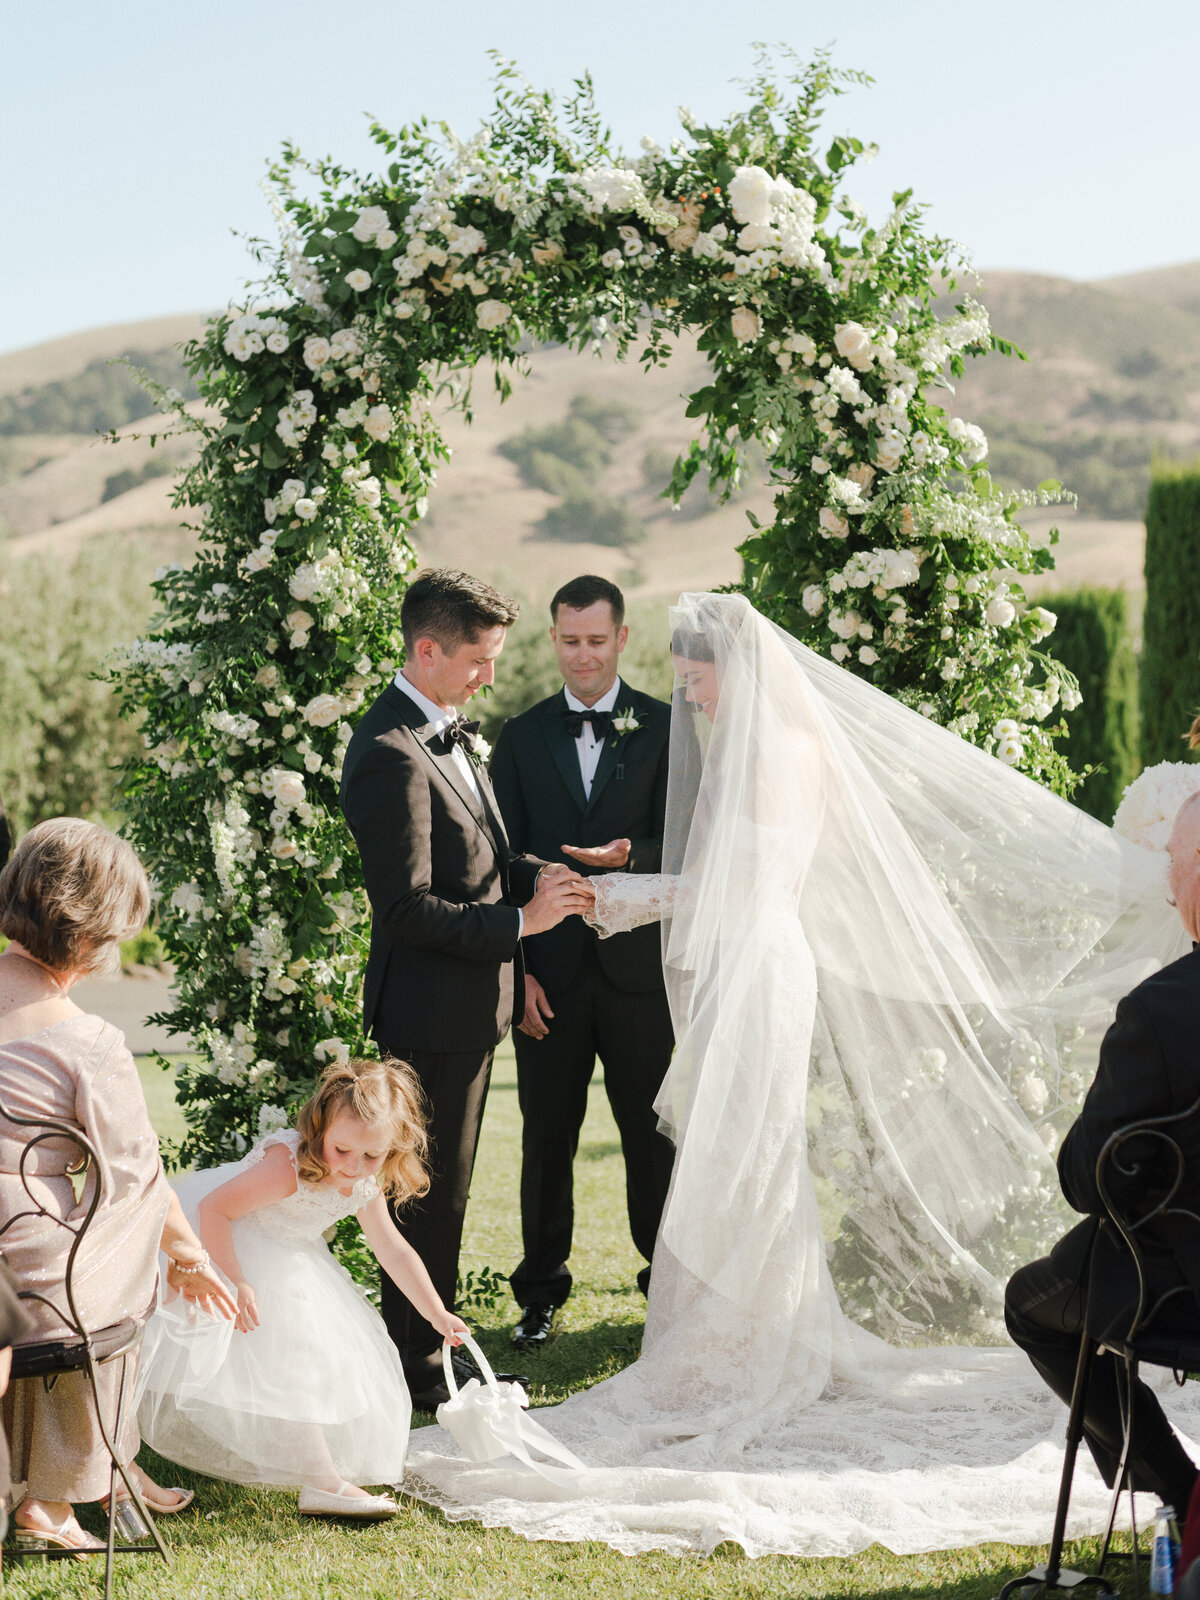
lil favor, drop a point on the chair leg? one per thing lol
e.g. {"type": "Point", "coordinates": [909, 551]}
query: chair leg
{"type": "Point", "coordinates": [127, 1477]}
{"type": "Point", "coordinates": [1051, 1576]}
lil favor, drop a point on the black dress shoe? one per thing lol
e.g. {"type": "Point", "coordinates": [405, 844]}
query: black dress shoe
{"type": "Point", "coordinates": [464, 1367]}
{"type": "Point", "coordinates": [534, 1327]}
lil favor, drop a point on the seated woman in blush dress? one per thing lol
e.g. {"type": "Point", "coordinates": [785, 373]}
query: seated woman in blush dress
{"type": "Point", "coordinates": [71, 891]}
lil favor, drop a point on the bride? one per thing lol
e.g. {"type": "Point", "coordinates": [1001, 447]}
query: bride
{"type": "Point", "coordinates": [890, 959]}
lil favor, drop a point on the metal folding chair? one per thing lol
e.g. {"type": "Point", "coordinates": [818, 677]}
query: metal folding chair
{"type": "Point", "coordinates": [80, 1348]}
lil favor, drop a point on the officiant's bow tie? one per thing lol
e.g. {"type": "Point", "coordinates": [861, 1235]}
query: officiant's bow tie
{"type": "Point", "coordinates": [601, 721]}
{"type": "Point", "coordinates": [462, 732]}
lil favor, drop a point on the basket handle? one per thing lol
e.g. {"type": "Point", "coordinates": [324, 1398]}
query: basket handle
{"type": "Point", "coordinates": [484, 1365]}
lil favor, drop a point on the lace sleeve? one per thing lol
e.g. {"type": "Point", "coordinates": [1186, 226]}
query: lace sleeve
{"type": "Point", "coordinates": [626, 900]}
{"type": "Point", "coordinates": [288, 1137]}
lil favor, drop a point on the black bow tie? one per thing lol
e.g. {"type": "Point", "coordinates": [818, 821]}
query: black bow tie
{"type": "Point", "coordinates": [601, 721]}
{"type": "Point", "coordinates": [462, 732]}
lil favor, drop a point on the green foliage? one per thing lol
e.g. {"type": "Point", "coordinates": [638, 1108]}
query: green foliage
{"type": "Point", "coordinates": [1108, 472]}
{"type": "Point", "coordinates": [1170, 675]}
{"type": "Point", "coordinates": [62, 736]}
{"type": "Point", "coordinates": [592, 519]}
{"type": "Point", "coordinates": [106, 394]}
{"type": "Point", "coordinates": [1092, 639]}
{"type": "Point", "coordinates": [481, 1289]}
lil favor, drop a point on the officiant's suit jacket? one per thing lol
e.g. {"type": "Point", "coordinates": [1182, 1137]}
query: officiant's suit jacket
{"type": "Point", "coordinates": [1149, 1067]}
{"type": "Point", "coordinates": [444, 883]}
{"type": "Point", "coordinates": [535, 773]}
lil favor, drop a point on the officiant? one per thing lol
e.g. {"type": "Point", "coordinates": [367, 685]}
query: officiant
{"type": "Point", "coordinates": [586, 768]}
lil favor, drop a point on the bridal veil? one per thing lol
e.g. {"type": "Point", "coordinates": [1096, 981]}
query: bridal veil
{"type": "Point", "coordinates": [890, 960]}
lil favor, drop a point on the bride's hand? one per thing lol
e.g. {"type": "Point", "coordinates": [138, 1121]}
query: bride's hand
{"type": "Point", "coordinates": [605, 857]}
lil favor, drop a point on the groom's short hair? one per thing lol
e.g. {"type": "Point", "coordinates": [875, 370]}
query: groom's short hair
{"type": "Point", "coordinates": [583, 592]}
{"type": "Point", "coordinates": [452, 608]}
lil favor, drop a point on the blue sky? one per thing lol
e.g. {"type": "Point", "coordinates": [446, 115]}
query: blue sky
{"type": "Point", "coordinates": [1055, 137]}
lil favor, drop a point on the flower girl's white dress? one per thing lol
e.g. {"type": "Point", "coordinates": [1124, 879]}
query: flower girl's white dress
{"type": "Point", "coordinates": [316, 1388]}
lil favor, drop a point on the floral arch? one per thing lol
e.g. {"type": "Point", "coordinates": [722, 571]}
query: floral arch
{"type": "Point", "coordinates": [890, 550]}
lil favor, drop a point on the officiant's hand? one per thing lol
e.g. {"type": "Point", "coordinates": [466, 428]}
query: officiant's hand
{"type": "Point", "coordinates": [560, 893]}
{"type": "Point", "coordinates": [537, 1009]}
{"type": "Point", "coordinates": [604, 857]}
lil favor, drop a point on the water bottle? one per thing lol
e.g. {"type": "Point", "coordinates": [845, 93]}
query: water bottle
{"type": "Point", "coordinates": [130, 1521]}
{"type": "Point", "coordinates": [1165, 1554]}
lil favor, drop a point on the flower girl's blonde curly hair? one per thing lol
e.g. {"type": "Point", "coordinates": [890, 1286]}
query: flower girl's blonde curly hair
{"type": "Point", "coordinates": [383, 1094]}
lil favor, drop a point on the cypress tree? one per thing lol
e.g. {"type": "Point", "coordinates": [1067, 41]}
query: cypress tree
{"type": "Point", "coordinates": [1093, 639]}
{"type": "Point", "coordinates": [1170, 676]}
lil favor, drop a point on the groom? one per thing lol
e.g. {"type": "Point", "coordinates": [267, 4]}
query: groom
{"type": "Point", "coordinates": [443, 977]}
{"type": "Point", "coordinates": [587, 765]}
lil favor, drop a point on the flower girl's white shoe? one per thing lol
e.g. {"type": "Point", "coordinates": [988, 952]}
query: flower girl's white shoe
{"type": "Point", "coordinates": [345, 1503]}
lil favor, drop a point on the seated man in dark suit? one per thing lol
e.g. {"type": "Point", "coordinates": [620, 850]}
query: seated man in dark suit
{"type": "Point", "coordinates": [1149, 1067]}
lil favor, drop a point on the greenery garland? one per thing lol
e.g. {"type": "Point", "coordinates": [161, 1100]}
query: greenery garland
{"type": "Point", "coordinates": [890, 550]}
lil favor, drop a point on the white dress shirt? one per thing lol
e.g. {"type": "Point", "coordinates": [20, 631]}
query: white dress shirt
{"type": "Point", "coordinates": [439, 720]}
{"type": "Point", "coordinates": [588, 746]}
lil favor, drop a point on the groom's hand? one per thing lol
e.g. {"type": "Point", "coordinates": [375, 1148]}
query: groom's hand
{"type": "Point", "coordinates": [560, 893]}
{"type": "Point", "coordinates": [537, 1009]}
{"type": "Point", "coordinates": [605, 857]}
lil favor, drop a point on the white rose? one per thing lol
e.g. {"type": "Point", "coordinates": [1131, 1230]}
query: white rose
{"type": "Point", "coordinates": [277, 343]}
{"type": "Point", "coordinates": [612, 259]}
{"type": "Point", "coordinates": [839, 652]}
{"type": "Point", "coordinates": [322, 711]}
{"type": "Point", "coordinates": [845, 623]}
{"type": "Point", "coordinates": [332, 1050]}
{"type": "Point", "coordinates": [546, 253]}
{"type": "Point", "coordinates": [491, 314]}
{"type": "Point", "coordinates": [745, 324]}
{"type": "Point", "coordinates": [1009, 751]}
{"type": "Point", "coordinates": [299, 621]}
{"type": "Point", "coordinates": [1006, 728]}
{"type": "Point", "coordinates": [380, 423]}
{"type": "Point", "coordinates": [306, 510]}
{"type": "Point", "coordinates": [889, 451]}
{"type": "Point", "coordinates": [315, 351]}
{"type": "Point", "coordinates": [951, 668]}
{"type": "Point", "coordinates": [1000, 612]}
{"type": "Point", "coordinates": [267, 677]}
{"type": "Point", "coordinates": [358, 279]}
{"type": "Point", "coordinates": [1032, 1093]}
{"type": "Point", "coordinates": [867, 656]}
{"type": "Point", "coordinates": [287, 788]}
{"type": "Point", "coordinates": [283, 849]}
{"type": "Point", "coordinates": [751, 194]}
{"type": "Point", "coordinates": [833, 526]}
{"type": "Point", "coordinates": [370, 221]}
{"type": "Point", "coordinates": [813, 599]}
{"type": "Point", "coordinates": [853, 343]}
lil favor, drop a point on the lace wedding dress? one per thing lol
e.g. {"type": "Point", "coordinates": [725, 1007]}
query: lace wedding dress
{"type": "Point", "coordinates": [890, 960]}
{"type": "Point", "coordinates": [316, 1389]}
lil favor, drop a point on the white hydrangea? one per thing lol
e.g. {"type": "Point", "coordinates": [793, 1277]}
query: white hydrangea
{"type": "Point", "coordinates": [610, 189]}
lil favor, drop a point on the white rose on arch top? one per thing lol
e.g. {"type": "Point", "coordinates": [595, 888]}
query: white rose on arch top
{"type": "Point", "coordinates": [827, 353]}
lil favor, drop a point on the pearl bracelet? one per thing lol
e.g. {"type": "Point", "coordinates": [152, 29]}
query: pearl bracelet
{"type": "Point", "coordinates": [188, 1271]}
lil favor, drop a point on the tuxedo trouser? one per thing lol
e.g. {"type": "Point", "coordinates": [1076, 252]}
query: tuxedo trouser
{"type": "Point", "coordinates": [631, 1034]}
{"type": "Point", "coordinates": [455, 1088]}
{"type": "Point", "coordinates": [1044, 1310]}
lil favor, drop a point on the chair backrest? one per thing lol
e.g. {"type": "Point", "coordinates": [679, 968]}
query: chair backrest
{"type": "Point", "coordinates": [45, 1130]}
{"type": "Point", "coordinates": [1140, 1173]}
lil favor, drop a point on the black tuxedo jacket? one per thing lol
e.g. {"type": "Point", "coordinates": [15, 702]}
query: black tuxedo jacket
{"type": "Point", "coordinates": [443, 882]}
{"type": "Point", "coordinates": [535, 772]}
{"type": "Point", "coordinates": [1149, 1067]}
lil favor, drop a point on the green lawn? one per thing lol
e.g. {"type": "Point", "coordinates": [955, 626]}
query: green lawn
{"type": "Point", "coordinates": [243, 1544]}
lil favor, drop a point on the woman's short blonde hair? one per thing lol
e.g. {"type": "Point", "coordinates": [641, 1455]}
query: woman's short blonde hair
{"type": "Point", "coordinates": [71, 891]}
{"type": "Point", "coordinates": [383, 1094]}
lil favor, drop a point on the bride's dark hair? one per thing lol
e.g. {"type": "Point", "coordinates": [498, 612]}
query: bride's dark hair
{"type": "Point", "coordinates": [383, 1094]}
{"type": "Point", "coordinates": [692, 646]}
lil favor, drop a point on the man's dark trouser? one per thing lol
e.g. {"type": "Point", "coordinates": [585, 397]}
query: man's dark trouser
{"type": "Point", "coordinates": [631, 1034]}
{"type": "Point", "coordinates": [455, 1087]}
{"type": "Point", "coordinates": [1044, 1313]}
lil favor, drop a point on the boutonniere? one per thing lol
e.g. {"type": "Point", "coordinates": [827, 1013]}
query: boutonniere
{"type": "Point", "coordinates": [625, 722]}
{"type": "Point", "coordinates": [481, 750]}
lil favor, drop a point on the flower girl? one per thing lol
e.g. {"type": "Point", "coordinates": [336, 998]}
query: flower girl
{"type": "Point", "coordinates": [306, 1388]}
